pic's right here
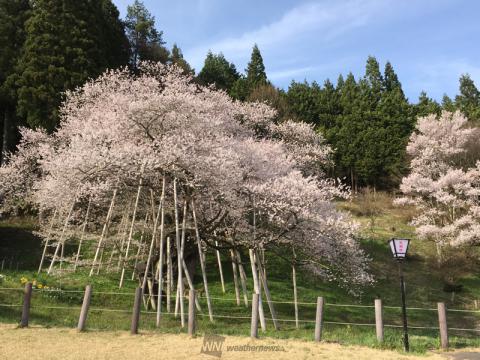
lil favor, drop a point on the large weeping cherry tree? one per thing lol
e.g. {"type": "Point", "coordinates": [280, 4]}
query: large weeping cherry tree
{"type": "Point", "coordinates": [161, 170]}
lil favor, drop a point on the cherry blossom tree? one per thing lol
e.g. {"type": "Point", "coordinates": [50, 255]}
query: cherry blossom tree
{"type": "Point", "coordinates": [444, 183]}
{"type": "Point", "coordinates": [202, 167]}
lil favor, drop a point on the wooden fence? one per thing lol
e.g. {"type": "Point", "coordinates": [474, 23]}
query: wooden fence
{"type": "Point", "coordinates": [319, 322]}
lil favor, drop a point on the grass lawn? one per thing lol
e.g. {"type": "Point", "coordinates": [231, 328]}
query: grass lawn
{"type": "Point", "coordinates": [424, 283]}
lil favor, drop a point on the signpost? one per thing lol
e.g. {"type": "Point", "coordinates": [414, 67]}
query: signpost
{"type": "Point", "coordinates": [399, 249]}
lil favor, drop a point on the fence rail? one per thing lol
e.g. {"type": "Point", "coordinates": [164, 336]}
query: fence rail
{"type": "Point", "coordinates": [319, 322]}
{"type": "Point", "coordinates": [173, 296]}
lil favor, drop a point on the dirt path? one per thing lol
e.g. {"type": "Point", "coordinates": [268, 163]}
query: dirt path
{"type": "Point", "coordinates": [52, 344]}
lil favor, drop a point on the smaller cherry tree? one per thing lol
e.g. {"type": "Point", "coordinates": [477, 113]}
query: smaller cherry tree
{"type": "Point", "coordinates": [444, 183]}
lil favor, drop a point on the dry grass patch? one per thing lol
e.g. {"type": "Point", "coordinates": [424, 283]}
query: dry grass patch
{"type": "Point", "coordinates": [42, 343]}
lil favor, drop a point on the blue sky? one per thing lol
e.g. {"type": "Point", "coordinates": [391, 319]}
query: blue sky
{"type": "Point", "coordinates": [430, 43]}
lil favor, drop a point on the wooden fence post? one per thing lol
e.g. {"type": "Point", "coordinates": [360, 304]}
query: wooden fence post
{"type": "Point", "coordinates": [136, 311]}
{"type": "Point", "coordinates": [191, 312]}
{"type": "Point", "coordinates": [442, 321]}
{"type": "Point", "coordinates": [26, 305]}
{"type": "Point", "coordinates": [319, 319]}
{"type": "Point", "coordinates": [85, 305]}
{"type": "Point", "coordinates": [254, 324]}
{"type": "Point", "coordinates": [379, 319]}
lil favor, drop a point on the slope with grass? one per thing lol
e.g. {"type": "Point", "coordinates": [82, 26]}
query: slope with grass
{"type": "Point", "coordinates": [111, 306]}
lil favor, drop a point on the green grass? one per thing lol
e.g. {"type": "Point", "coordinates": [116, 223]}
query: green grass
{"type": "Point", "coordinates": [424, 283]}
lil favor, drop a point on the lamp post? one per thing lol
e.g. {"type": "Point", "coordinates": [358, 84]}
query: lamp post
{"type": "Point", "coordinates": [399, 249]}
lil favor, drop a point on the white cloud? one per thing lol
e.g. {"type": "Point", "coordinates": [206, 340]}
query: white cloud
{"type": "Point", "coordinates": [439, 76]}
{"type": "Point", "coordinates": [289, 73]}
{"type": "Point", "coordinates": [326, 19]}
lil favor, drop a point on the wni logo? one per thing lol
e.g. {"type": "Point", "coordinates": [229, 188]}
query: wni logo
{"type": "Point", "coordinates": [212, 345]}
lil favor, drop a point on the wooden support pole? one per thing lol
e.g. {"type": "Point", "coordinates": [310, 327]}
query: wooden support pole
{"type": "Point", "coordinates": [100, 262]}
{"type": "Point", "coordinates": [140, 245]}
{"type": "Point", "coordinates": [152, 244]}
{"type": "Point", "coordinates": [190, 283]}
{"type": "Point", "coordinates": [130, 234]}
{"type": "Point", "coordinates": [160, 263]}
{"type": "Point", "coordinates": [104, 231]}
{"type": "Point", "coordinates": [263, 279]}
{"type": "Point", "coordinates": [61, 240]}
{"type": "Point", "coordinates": [319, 319]}
{"type": "Point", "coordinates": [85, 305]}
{"type": "Point", "coordinates": [202, 263]}
{"type": "Point", "coordinates": [177, 301]}
{"type": "Point", "coordinates": [191, 312]}
{"type": "Point", "coordinates": [442, 322]}
{"type": "Point", "coordinates": [379, 319]}
{"type": "Point", "coordinates": [46, 242]}
{"type": "Point", "coordinates": [151, 296]}
{"type": "Point", "coordinates": [122, 235]}
{"type": "Point", "coordinates": [136, 311]}
{"type": "Point", "coordinates": [243, 278]}
{"type": "Point", "coordinates": [124, 238]}
{"type": "Point", "coordinates": [169, 275]}
{"type": "Point", "coordinates": [84, 226]}
{"type": "Point", "coordinates": [295, 297]}
{"type": "Point", "coordinates": [27, 298]}
{"type": "Point", "coordinates": [179, 298]}
{"type": "Point", "coordinates": [219, 260]}
{"type": "Point", "coordinates": [254, 324]}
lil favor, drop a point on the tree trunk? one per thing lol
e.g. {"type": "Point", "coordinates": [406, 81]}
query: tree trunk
{"type": "Point", "coordinates": [2, 136]}
{"type": "Point", "coordinates": [258, 289]}
{"type": "Point", "coordinates": [235, 277]}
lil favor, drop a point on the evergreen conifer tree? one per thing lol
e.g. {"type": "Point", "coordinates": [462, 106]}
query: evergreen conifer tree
{"type": "Point", "coordinates": [468, 101]}
{"type": "Point", "coordinates": [146, 42]}
{"type": "Point", "coordinates": [13, 15]}
{"type": "Point", "coordinates": [255, 70]}
{"type": "Point", "coordinates": [426, 106]}
{"type": "Point", "coordinates": [217, 70]}
{"type": "Point", "coordinates": [448, 104]}
{"type": "Point", "coordinates": [63, 48]}
{"type": "Point", "coordinates": [176, 57]}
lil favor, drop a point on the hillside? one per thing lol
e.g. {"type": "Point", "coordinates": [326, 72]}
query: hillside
{"type": "Point", "coordinates": [380, 220]}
